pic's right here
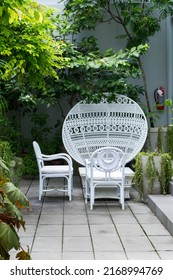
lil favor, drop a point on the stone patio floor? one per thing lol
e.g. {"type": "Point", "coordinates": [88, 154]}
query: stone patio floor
{"type": "Point", "coordinates": [57, 229]}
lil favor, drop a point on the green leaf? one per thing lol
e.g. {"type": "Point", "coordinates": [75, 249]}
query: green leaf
{"type": "Point", "coordinates": [15, 195]}
{"type": "Point", "coordinates": [8, 237]}
{"type": "Point", "coordinates": [3, 165]}
{"type": "Point", "coordinates": [12, 15]}
{"type": "Point", "coordinates": [136, 54]}
{"type": "Point", "coordinates": [38, 16]}
{"type": "Point", "coordinates": [1, 11]}
{"type": "Point", "coordinates": [168, 102]}
{"type": "Point", "coordinates": [13, 211]}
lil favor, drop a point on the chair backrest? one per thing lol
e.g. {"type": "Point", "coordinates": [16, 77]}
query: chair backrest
{"type": "Point", "coordinates": [88, 127]}
{"type": "Point", "coordinates": [38, 154]}
{"type": "Point", "coordinates": [107, 160]}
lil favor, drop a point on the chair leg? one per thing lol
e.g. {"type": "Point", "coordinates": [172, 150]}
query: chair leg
{"type": "Point", "coordinates": [41, 182]}
{"type": "Point", "coordinates": [92, 193]}
{"type": "Point", "coordinates": [70, 183]}
{"type": "Point", "coordinates": [122, 196]}
{"type": "Point", "coordinates": [86, 191]}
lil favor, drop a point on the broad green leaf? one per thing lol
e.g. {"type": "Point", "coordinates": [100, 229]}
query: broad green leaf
{"type": "Point", "coordinates": [38, 16]}
{"type": "Point", "coordinates": [15, 195]}
{"type": "Point", "coordinates": [12, 15]}
{"type": "Point", "coordinates": [3, 165]}
{"type": "Point", "coordinates": [8, 237]}
{"type": "Point", "coordinates": [4, 255]}
{"type": "Point", "coordinates": [13, 211]}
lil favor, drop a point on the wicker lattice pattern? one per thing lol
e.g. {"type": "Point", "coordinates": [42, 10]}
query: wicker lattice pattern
{"type": "Point", "coordinates": [88, 127]}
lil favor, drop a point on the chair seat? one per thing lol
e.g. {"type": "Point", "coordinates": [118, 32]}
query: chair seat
{"type": "Point", "coordinates": [55, 169]}
{"type": "Point", "coordinates": [98, 175]}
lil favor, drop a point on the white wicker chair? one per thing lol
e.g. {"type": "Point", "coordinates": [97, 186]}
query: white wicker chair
{"type": "Point", "coordinates": [88, 127]}
{"type": "Point", "coordinates": [54, 171]}
{"type": "Point", "coordinates": [105, 169]}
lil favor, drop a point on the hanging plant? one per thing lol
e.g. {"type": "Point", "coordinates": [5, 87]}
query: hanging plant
{"type": "Point", "coordinates": [138, 177]}
{"type": "Point", "coordinates": [169, 139]}
{"type": "Point", "coordinates": [166, 172]}
{"type": "Point", "coordinates": [153, 172]}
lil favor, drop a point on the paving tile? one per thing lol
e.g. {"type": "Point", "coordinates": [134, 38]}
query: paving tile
{"type": "Point", "coordinates": [143, 256]}
{"type": "Point", "coordinates": [106, 230]}
{"type": "Point", "coordinates": [103, 243]}
{"type": "Point", "coordinates": [49, 244]}
{"type": "Point", "coordinates": [25, 189]}
{"type": "Point", "coordinates": [124, 219]}
{"type": "Point", "coordinates": [26, 242]}
{"type": "Point", "coordinates": [98, 209]}
{"type": "Point", "coordinates": [78, 256]}
{"type": "Point", "coordinates": [129, 230]}
{"type": "Point", "coordinates": [162, 243]}
{"type": "Point", "coordinates": [110, 256]}
{"type": "Point", "coordinates": [53, 219]}
{"type": "Point", "coordinates": [139, 208]}
{"type": "Point", "coordinates": [77, 230]}
{"type": "Point", "coordinates": [46, 255]}
{"type": "Point", "coordinates": [55, 197]}
{"type": "Point", "coordinates": [34, 209]}
{"type": "Point", "coordinates": [155, 229]}
{"type": "Point", "coordinates": [99, 219]}
{"type": "Point", "coordinates": [53, 209]}
{"type": "Point", "coordinates": [166, 255]}
{"type": "Point", "coordinates": [136, 243]}
{"type": "Point", "coordinates": [77, 244]}
{"type": "Point", "coordinates": [147, 218]}
{"type": "Point", "coordinates": [31, 219]}
{"type": "Point", "coordinates": [49, 230]}
{"type": "Point", "coordinates": [119, 211]}
{"type": "Point", "coordinates": [29, 231]}
{"type": "Point", "coordinates": [74, 208]}
{"type": "Point", "coordinates": [75, 219]}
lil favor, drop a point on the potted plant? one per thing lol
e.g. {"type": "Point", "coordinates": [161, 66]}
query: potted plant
{"type": "Point", "coordinates": [153, 172]}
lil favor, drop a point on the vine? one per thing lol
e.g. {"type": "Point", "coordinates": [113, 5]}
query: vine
{"type": "Point", "coordinates": [138, 177]}
{"type": "Point", "coordinates": [163, 174]}
{"type": "Point", "coordinates": [169, 139]}
{"type": "Point", "coordinates": [166, 173]}
{"type": "Point", "coordinates": [152, 172]}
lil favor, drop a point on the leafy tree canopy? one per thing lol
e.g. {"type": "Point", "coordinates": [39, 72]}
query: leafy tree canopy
{"type": "Point", "coordinates": [139, 19]}
{"type": "Point", "coordinates": [27, 48]}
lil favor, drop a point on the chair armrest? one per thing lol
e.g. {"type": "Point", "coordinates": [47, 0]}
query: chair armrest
{"type": "Point", "coordinates": [63, 156]}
